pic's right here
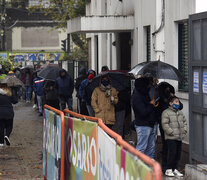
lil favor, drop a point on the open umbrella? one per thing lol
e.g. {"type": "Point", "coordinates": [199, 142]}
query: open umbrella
{"type": "Point", "coordinates": [11, 81]}
{"type": "Point", "coordinates": [49, 73]}
{"type": "Point", "coordinates": [160, 70]}
{"type": "Point", "coordinates": [119, 81]}
{"type": "Point", "coordinates": [135, 70]}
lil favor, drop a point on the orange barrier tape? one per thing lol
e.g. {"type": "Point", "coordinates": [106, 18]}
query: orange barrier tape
{"type": "Point", "coordinates": [62, 137]}
{"type": "Point", "coordinates": [122, 143]}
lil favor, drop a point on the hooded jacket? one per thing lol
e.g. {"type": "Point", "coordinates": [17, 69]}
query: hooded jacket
{"type": "Point", "coordinates": [143, 110]}
{"type": "Point", "coordinates": [79, 80]}
{"type": "Point", "coordinates": [38, 86]}
{"type": "Point", "coordinates": [64, 86]}
{"type": "Point", "coordinates": [6, 101]}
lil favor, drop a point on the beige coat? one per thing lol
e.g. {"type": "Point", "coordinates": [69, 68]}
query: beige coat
{"type": "Point", "coordinates": [174, 124]}
{"type": "Point", "coordinates": [102, 107]}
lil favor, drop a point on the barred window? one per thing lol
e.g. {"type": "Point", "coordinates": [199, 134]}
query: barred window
{"type": "Point", "coordinates": [183, 56]}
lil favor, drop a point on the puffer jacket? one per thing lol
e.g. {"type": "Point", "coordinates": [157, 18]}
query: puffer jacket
{"type": "Point", "coordinates": [174, 124]}
{"type": "Point", "coordinates": [102, 107]}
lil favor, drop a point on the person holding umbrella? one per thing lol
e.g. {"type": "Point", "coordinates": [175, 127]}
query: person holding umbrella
{"type": "Point", "coordinates": [145, 116]}
{"type": "Point", "coordinates": [103, 100]}
{"type": "Point", "coordinates": [64, 87]}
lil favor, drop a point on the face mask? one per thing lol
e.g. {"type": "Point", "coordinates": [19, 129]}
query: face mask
{"type": "Point", "coordinates": [91, 76]}
{"type": "Point", "coordinates": [105, 82]}
{"type": "Point", "coordinates": [176, 106]}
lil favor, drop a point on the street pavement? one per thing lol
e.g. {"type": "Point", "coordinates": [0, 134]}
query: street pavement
{"type": "Point", "coordinates": [23, 159]}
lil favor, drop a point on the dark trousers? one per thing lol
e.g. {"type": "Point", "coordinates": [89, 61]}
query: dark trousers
{"type": "Point", "coordinates": [174, 153]}
{"type": "Point", "coordinates": [5, 124]}
{"type": "Point", "coordinates": [164, 149]}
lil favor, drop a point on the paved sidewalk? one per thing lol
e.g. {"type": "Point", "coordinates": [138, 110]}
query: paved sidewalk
{"type": "Point", "coordinates": [23, 159]}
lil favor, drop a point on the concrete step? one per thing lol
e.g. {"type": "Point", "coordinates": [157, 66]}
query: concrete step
{"type": "Point", "coordinates": [196, 172]}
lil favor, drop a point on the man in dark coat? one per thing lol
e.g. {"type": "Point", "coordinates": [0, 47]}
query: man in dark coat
{"type": "Point", "coordinates": [144, 117]}
{"type": "Point", "coordinates": [64, 87]}
{"type": "Point", "coordinates": [8, 97]}
{"type": "Point", "coordinates": [81, 77]}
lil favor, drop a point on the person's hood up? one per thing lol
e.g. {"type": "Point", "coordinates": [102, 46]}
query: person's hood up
{"type": "Point", "coordinates": [82, 71]}
{"type": "Point", "coordinates": [91, 70]}
{"type": "Point", "coordinates": [142, 85]}
{"type": "Point", "coordinates": [62, 70]}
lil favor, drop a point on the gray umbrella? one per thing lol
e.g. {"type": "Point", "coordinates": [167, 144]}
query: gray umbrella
{"type": "Point", "coordinates": [161, 70]}
{"type": "Point", "coordinates": [11, 81]}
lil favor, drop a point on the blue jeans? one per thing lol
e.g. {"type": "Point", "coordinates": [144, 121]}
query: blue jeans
{"type": "Point", "coordinates": [146, 140]}
{"type": "Point", "coordinates": [39, 102]}
{"type": "Point", "coordinates": [28, 91]}
{"type": "Point", "coordinates": [63, 102]}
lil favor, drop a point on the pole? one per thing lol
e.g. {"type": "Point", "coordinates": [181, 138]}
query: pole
{"type": "Point", "coordinates": [3, 9]}
{"type": "Point", "coordinates": [68, 43]}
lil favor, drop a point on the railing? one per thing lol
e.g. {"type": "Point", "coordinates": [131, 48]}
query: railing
{"type": "Point", "coordinates": [52, 118]}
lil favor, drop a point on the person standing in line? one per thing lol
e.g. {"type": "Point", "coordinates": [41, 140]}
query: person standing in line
{"type": "Point", "coordinates": [165, 91]}
{"type": "Point", "coordinates": [27, 80]}
{"type": "Point", "coordinates": [82, 76]}
{"type": "Point", "coordinates": [38, 90]}
{"type": "Point", "coordinates": [175, 129]}
{"type": "Point", "coordinates": [8, 96]}
{"type": "Point", "coordinates": [64, 87]}
{"type": "Point", "coordinates": [50, 97]}
{"type": "Point", "coordinates": [145, 118]}
{"type": "Point", "coordinates": [83, 91]}
{"type": "Point", "coordinates": [103, 101]}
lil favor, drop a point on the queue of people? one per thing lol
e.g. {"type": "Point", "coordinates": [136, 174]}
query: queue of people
{"type": "Point", "coordinates": [153, 104]}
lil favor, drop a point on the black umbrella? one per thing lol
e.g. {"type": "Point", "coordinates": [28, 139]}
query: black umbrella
{"type": "Point", "coordinates": [135, 70]}
{"type": "Point", "coordinates": [161, 70]}
{"type": "Point", "coordinates": [49, 73]}
{"type": "Point", "coordinates": [119, 81]}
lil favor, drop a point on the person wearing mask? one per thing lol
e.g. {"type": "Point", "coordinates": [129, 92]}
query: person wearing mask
{"type": "Point", "coordinates": [103, 101]}
{"type": "Point", "coordinates": [165, 91]}
{"type": "Point", "coordinates": [145, 118]}
{"type": "Point", "coordinates": [64, 87]}
{"type": "Point", "coordinates": [27, 80]}
{"type": "Point", "coordinates": [175, 129]}
{"type": "Point", "coordinates": [82, 76]}
{"type": "Point", "coordinates": [8, 96]}
{"type": "Point", "coordinates": [82, 91]}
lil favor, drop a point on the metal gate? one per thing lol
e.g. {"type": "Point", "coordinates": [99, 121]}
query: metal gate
{"type": "Point", "coordinates": [198, 87]}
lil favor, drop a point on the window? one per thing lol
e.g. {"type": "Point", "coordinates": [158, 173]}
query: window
{"type": "Point", "coordinates": [183, 55]}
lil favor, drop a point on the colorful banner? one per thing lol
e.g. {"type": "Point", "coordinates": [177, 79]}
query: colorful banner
{"type": "Point", "coordinates": [19, 57]}
{"type": "Point", "coordinates": [129, 167]}
{"type": "Point", "coordinates": [51, 146]}
{"type": "Point", "coordinates": [81, 149]}
{"type": "Point", "coordinates": [107, 156]}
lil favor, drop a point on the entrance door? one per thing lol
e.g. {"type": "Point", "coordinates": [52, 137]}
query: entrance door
{"type": "Point", "coordinates": [125, 50]}
{"type": "Point", "coordinates": [198, 87]}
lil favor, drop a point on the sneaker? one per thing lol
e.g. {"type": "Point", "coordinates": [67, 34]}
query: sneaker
{"type": "Point", "coordinates": [34, 106]}
{"type": "Point", "coordinates": [169, 173]}
{"type": "Point", "coordinates": [177, 173]}
{"type": "Point", "coordinates": [1, 145]}
{"type": "Point", "coordinates": [7, 140]}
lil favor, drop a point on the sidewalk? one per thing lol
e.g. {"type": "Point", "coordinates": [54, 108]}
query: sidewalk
{"type": "Point", "coordinates": [23, 159]}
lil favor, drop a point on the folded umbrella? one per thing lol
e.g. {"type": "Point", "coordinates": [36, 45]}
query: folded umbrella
{"type": "Point", "coordinates": [11, 81]}
{"type": "Point", "coordinates": [119, 81]}
{"type": "Point", "coordinates": [49, 73]}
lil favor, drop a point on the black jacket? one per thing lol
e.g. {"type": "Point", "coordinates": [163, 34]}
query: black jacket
{"type": "Point", "coordinates": [143, 110]}
{"type": "Point", "coordinates": [6, 108]}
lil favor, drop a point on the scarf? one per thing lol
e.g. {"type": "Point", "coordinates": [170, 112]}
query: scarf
{"type": "Point", "coordinates": [106, 89]}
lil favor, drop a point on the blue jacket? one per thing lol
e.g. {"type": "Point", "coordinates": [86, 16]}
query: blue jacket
{"type": "Point", "coordinates": [81, 90]}
{"type": "Point", "coordinates": [143, 110]}
{"type": "Point", "coordinates": [38, 86]}
{"type": "Point", "coordinates": [64, 86]}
